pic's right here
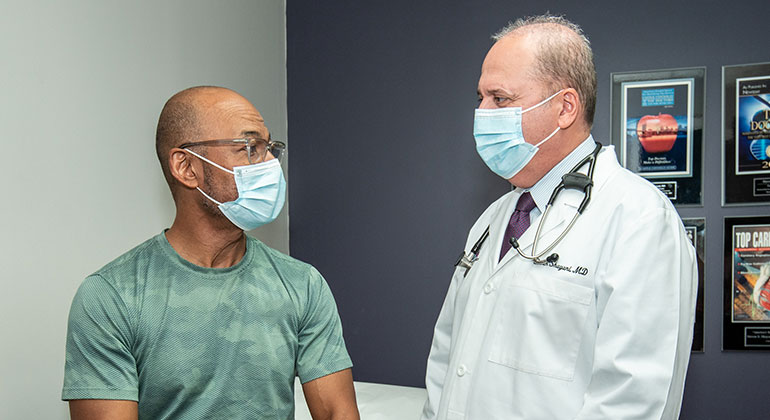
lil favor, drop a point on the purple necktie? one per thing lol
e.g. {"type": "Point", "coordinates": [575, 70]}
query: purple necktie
{"type": "Point", "coordinates": [519, 221]}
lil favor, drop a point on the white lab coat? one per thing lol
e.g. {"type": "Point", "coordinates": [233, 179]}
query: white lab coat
{"type": "Point", "coordinates": [607, 338]}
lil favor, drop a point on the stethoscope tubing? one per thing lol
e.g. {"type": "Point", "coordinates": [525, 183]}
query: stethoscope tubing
{"type": "Point", "coordinates": [584, 182]}
{"type": "Point", "coordinates": [574, 180]}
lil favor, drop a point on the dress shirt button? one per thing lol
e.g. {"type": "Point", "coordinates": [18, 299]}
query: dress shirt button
{"type": "Point", "coordinates": [461, 370]}
{"type": "Point", "coordinates": [488, 288]}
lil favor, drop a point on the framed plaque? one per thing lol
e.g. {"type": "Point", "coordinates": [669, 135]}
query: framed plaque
{"type": "Point", "coordinates": [746, 324]}
{"type": "Point", "coordinates": [696, 232]}
{"type": "Point", "coordinates": [657, 129]}
{"type": "Point", "coordinates": [746, 134]}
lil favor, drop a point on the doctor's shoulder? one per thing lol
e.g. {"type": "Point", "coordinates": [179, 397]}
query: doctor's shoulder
{"type": "Point", "coordinates": [635, 193]}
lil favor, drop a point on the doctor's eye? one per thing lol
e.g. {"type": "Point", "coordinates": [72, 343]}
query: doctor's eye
{"type": "Point", "coordinates": [499, 100]}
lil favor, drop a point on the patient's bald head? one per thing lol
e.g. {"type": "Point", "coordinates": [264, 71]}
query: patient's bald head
{"type": "Point", "coordinates": [187, 117]}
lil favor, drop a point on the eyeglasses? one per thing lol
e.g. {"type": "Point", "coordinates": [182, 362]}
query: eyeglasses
{"type": "Point", "coordinates": [256, 148]}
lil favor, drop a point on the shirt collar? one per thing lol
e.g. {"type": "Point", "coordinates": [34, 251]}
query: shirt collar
{"type": "Point", "coordinates": [543, 189]}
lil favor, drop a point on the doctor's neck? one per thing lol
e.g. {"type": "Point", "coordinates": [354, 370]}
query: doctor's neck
{"type": "Point", "coordinates": [548, 156]}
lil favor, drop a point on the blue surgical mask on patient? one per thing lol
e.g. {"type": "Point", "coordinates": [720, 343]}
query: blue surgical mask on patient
{"type": "Point", "coordinates": [499, 139]}
{"type": "Point", "coordinates": [261, 193]}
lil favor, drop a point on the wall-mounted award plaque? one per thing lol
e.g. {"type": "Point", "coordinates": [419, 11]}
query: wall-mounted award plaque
{"type": "Point", "coordinates": [746, 134]}
{"type": "Point", "coordinates": [746, 324]}
{"type": "Point", "coordinates": [657, 129]}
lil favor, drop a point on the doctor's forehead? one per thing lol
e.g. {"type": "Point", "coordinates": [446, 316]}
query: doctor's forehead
{"type": "Point", "coordinates": [509, 66]}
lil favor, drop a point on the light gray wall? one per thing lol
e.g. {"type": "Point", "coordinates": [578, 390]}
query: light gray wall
{"type": "Point", "coordinates": [81, 87]}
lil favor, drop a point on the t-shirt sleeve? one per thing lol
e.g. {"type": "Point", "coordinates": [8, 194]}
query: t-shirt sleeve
{"type": "Point", "coordinates": [321, 345]}
{"type": "Point", "coordinates": [99, 363]}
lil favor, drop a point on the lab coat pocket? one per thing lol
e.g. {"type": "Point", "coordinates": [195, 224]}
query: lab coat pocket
{"type": "Point", "coordinates": [540, 324]}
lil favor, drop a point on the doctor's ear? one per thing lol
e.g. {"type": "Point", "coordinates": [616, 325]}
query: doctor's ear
{"type": "Point", "coordinates": [570, 108]}
{"type": "Point", "coordinates": [182, 167]}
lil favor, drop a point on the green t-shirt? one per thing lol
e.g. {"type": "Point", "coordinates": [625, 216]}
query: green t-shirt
{"type": "Point", "coordinates": [190, 342]}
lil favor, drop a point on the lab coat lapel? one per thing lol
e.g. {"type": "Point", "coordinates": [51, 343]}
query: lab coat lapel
{"type": "Point", "coordinates": [558, 218]}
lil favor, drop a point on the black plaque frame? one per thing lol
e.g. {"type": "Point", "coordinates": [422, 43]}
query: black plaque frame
{"type": "Point", "coordinates": [746, 325]}
{"type": "Point", "coordinates": [696, 232]}
{"type": "Point", "coordinates": [743, 186]}
{"type": "Point", "coordinates": [683, 189]}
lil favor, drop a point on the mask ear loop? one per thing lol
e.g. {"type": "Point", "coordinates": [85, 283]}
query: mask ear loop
{"type": "Point", "coordinates": [537, 105]}
{"type": "Point", "coordinates": [215, 164]}
{"type": "Point", "coordinates": [549, 136]}
{"type": "Point", "coordinates": [208, 196]}
{"type": "Point", "coordinates": [218, 166]}
{"type": "Point", "coordinates": [543, 101]}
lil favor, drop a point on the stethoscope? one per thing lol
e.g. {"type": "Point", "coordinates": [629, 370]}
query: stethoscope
{"type": "Point", "coordinates": [574, 180]}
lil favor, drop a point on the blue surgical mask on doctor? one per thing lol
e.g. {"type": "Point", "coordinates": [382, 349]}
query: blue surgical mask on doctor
{"type": "Point", "coordinates": [499, 139]}
{"type": "Point", "coordinates": [261, 193]}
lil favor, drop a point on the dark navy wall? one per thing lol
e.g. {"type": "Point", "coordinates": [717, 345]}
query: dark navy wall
{"type": "Point", "coordinates": [385, 181]}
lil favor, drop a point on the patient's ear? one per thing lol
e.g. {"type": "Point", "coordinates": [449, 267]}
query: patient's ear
{"type": "Point", "coordinates": [183, 168]}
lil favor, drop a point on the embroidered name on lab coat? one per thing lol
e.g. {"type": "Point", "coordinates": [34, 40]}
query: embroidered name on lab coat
{"type": "Point", "coordinates": [583, 271]}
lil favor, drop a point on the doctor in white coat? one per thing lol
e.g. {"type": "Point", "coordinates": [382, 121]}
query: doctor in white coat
{"type": "Point", "coordinates": [598, 327]}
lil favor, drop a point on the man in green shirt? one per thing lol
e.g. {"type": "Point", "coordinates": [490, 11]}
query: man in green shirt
{"type": "Point", "coordinates": [202, 321]}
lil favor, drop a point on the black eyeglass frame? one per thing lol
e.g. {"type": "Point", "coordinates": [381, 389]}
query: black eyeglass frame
{"type": "Point", "coordinates": [276, 148]}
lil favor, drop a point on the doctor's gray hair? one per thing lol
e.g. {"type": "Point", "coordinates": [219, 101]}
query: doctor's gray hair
{"type": "Point", "coordinates": [563, 59]}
